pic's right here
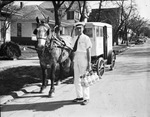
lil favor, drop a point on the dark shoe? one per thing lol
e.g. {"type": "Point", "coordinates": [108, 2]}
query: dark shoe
{"type": "Point", "coordinates": [85, 102]}
{"type": "Point", "coordinates": [78, 100]}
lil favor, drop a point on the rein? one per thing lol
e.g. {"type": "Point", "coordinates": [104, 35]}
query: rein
{"type": "Point", "coordinates": [51, 43]}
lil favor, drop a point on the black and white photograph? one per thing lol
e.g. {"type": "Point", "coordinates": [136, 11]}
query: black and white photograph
{"type": "Point", "coordinates": [75, 58]}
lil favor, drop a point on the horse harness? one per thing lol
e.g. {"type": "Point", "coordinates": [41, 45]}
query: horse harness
{"type": "Point", "coordinates": [59, 43]}
{"type": "Point", "coordinates": [49, 44]}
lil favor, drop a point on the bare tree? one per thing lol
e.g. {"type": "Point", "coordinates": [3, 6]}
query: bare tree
{"type": "Point", "coordinates": [4, 26]}
{"type": "Point", "coordinates": [117, 16]}
{"type": "Point", "coordinates": [62, 7]}
{"type": "Point", "coordinates": [9, 10]}
{"type": "Point", "coordinates": [125, 12]}
{"type": "Point", "coordinates": [136, 23]}
{"type": "Point", "coordinates": [84, 10]}
{"type": "Point", "coordinates": [99, 12]}
{"type": "Point", "coordinates": [60, 12]}
{"type": "Point", "coordinates": [8, 49]}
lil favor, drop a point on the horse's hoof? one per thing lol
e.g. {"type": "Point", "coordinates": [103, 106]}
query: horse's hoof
{"type": "Point", "coordinates": [51, 94]}
{"type": "Point", "coordinates": [42, 89]}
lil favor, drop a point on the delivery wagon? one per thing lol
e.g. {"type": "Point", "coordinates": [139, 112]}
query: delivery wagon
{"type": "Point", "coordinates": [102, 46]}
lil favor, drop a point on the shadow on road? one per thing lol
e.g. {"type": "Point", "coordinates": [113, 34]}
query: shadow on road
{"type": "Point", "coordinates": [16, 78]}
{"type": "Point", "coordinates": [13, 79]}
{"type": "Point", "coordinates": [43, 106]}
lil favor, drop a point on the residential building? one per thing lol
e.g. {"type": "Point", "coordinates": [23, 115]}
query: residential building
{"type": "Point", "coordinates": [23, 26]}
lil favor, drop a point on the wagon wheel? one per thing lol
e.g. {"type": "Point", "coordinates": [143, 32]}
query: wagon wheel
{"type": "Point", "coordinates": [100, 66]}
{"type": "Point", "coordinates": [113, 58]}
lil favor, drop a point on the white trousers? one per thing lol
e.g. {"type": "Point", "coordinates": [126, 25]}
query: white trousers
{"type": "Point", "coordinates": [80, 66]}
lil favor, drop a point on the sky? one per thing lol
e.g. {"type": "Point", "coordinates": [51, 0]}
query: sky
{"type": "Point", "coordinates": [143, 6]}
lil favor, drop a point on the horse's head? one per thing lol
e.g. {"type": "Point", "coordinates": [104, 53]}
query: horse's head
{"type": "Point", "coordinates": [42, 32]}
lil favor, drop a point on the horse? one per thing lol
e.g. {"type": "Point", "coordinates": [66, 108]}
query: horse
{"type": "Point", "coordinates": [54, 55]}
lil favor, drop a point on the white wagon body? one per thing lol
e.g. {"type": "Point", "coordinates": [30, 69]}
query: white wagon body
{"type": "Point", "coordinates": [102, 45]}
{"type": "Point", "coordinates": [95, 30]}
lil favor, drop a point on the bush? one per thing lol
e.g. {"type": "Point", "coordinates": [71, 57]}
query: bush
{"type": "Point", "coordinates": [10, 50]}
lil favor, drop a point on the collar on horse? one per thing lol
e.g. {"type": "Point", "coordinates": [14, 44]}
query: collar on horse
{"type": "Point", "coordinates": [59, 43]}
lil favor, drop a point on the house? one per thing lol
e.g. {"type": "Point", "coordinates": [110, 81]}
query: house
{"type": "Point", "coordinates": [72, 15]}
{"type": "Point", "coordinates": [23, 26]}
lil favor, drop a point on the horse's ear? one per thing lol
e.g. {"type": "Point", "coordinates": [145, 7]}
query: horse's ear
{"type": "Point", "coordinates": [37, 20]}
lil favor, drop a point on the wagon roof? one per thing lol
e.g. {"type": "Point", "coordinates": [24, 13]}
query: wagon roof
{"type": "Point", "coordinates": [94, 24]}
{"type": "Point", "coordinates": [98, 24]}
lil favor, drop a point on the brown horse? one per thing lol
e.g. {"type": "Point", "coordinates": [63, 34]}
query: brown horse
{"type": "Point", "coordinates": [53, 55]}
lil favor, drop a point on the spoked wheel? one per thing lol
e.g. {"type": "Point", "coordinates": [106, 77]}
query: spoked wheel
{"type": "Point", "coordinates": [113, 58]}
{"type": "Point", "coordinates": [100, 67]}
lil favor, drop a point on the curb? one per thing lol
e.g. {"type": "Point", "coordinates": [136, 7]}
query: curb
{"type": "Point", "coordinates": [16, 94]}
{"type": "Point", "coordinates": [28, 89]}
{"type": "Point", "coordinates": [118, 51]}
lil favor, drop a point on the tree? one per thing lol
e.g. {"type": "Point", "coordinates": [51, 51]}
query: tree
{"type": "Point", "coordinates": [145, 30]}
{"type": "Point", "coordinates": [84, 10]}
{"type": "Point", "coordinates": [117, 16]}
{"type": "Point", "coordinates": [136, 23]}
{"type": "Point", "coordinates": [9, 49]}
{"type": "Point", "coordinates": [60, 9]}
{"type": "Point", "coordinates": [4, 26]}
{"type": "Point", "coordinates": [9, 10]}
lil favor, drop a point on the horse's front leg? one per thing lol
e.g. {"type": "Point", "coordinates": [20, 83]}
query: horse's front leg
{"type": "Point", "coordinates": [60, 76]}
{"type": "Point", "coordinates": [52, 77]}
{"type": "Point", "coordinates": [44, 79]}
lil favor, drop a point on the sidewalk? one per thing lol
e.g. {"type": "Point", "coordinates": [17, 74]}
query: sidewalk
{"type": "Point", "coordinates": [4, 64]}
{"type": "Point", "coordinates": [35, 61]}
{"type": "Point", "coordinates": [120, 48]}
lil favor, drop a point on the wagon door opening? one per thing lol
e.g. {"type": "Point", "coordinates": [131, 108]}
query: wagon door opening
{"type": "Point", "coordinates": [105, 41]}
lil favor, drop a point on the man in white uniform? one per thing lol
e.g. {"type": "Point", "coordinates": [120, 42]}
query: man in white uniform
{"type": "Point", "coordinates": [82, 63]}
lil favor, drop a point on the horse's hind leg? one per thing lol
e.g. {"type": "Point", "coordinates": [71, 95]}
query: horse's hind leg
{"type": "Point", "coordinates": [44, 79]}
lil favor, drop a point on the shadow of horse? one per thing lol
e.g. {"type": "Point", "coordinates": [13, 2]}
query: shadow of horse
{"type": "Point", "coordinates": [54, 56]}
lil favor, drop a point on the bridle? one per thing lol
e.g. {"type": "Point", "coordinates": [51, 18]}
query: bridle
{"type": "Point", "coordinates": [45, 28]}
{"type": "Point", "coordinates": [52, 42]}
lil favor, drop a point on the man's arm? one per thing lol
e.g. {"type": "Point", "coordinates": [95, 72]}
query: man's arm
{"type": "Point", "coordinates": [89, 58]}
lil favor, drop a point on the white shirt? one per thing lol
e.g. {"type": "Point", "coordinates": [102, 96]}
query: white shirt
{"type": "Point", "coordinates": [84, 43]}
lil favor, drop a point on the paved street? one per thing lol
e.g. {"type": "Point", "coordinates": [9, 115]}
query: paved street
{"type": "Point", "coordinates": [123, 92]}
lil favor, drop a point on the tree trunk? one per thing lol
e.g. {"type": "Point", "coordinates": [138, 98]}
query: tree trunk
{"type": "Point", "coordinates": [125, 35]}
{"type": "Point", "coordinates": [57, 22]}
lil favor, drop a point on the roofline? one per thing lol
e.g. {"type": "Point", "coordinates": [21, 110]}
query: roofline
{"type": "Point", "coordinates": [98, 24]}
{"type": "Point", "coordinates": [94, 23]}
{"type": "Point", "coordinates": [8, 12]}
